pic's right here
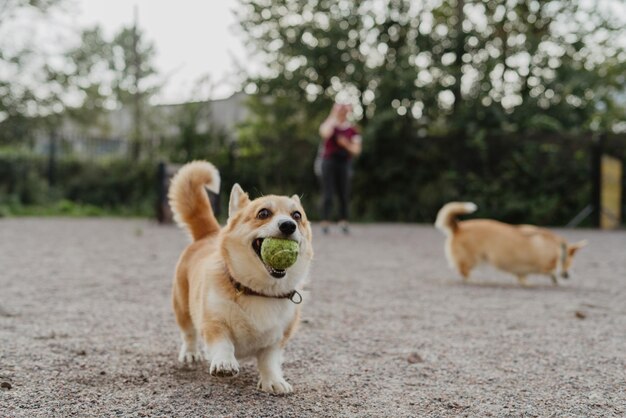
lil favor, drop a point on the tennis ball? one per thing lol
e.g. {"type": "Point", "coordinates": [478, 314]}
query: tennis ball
{"type": "Point", "coordinates": [279, 253]}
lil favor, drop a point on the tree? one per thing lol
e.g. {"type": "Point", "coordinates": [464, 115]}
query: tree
{"type": "Point", "coordinates": [100, 75]}
{"type": "Point", "coordinates": [132, 62]}
{"type": "Point", "coordinates": [198, 136]}
{"type": "Point", "coordinates": [84, 83]}
{"type": "Point", "coordinates": [446, 60]}
{"type": "Point", "coordinates": [429, 69]}
{"type": "Point", "coordinates": [311, 50]}
{"type": "Point", "coordinates": [20, 100]}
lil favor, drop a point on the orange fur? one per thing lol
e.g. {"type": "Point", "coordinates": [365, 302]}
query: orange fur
{"type": "Point", "coordinates": [189, 200]}
{"type": "Point", "coordinates": [520, 250]}
{"type": "Point", "coordinates": [291, 328]}
{"type": "Point", "coordinates": [206, 305]}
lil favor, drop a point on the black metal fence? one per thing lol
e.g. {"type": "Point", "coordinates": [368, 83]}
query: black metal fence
{"type": "Point", "coordinates": [546, 180]}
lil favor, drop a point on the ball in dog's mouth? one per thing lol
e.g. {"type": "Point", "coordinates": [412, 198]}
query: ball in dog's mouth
{"type": "Point", "coordinates": [275, 273]}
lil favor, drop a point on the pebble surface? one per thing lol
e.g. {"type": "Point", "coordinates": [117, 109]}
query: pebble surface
{"type": "Point", "coordinates": [86, 329]}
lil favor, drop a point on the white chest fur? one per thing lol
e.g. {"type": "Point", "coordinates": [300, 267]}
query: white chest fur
{"type": "Point", "coordinates": [256, 322]}
{"type": "Point", "coordinates": [264, 321]}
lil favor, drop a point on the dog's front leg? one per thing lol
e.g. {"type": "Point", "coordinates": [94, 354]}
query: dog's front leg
{"type": "Point", "coordinates": [221, 352]}
{"type": "Point", "coordinates": [271, 374]}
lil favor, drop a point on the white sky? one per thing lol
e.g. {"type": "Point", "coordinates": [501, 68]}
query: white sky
{"type": "Point", "coordinates": [193, 38]}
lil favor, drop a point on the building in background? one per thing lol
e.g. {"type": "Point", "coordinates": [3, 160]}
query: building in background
{"type": "Point", "coordinates": [112, 134]}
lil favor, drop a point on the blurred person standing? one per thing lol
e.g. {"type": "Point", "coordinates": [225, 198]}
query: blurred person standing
{"type": "Point", "coordinates": [341, 142]}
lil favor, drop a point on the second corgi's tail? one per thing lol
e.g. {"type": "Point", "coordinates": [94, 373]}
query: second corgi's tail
{"type": "Point", "coordinates": [446, 218]}
{"type": "Point", "coordinates": [189, 199]}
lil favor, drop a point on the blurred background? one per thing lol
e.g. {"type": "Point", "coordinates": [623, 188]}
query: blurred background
{"type": "Point", "coordinates": [517, 105]}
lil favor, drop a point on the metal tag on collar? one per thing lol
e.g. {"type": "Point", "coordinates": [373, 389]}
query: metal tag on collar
{"type": "Point", "coordinates": [296, 297]}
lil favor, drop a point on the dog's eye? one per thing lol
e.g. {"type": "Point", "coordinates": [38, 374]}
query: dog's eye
{"type": "Point", "coordinates": [264, 214]}
{"type": "Point", "coordinates": [296, 216]}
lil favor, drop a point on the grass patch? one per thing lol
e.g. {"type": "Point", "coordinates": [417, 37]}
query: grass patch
{"type": "Point", "coordinates": [67, 208]}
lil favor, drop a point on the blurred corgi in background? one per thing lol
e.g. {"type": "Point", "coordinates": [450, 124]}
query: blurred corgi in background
{"type": "Point", "coordinates": [517, 249]}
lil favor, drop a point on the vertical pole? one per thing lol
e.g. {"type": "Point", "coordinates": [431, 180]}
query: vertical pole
{"type": "Point", "coordinates": [597, 149]}
{"type": "Point", "coordinates": [459, 51]}
{"type": "Point", "coordinates": [136, 150]}
{"type": "Point", "coordinates": [52, 156]}
{"type": "Point", "coordinates": [161, 192]}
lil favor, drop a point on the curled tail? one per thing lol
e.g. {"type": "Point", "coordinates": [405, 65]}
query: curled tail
{"type": "Point", "coordinates": [446, 218]}
{"type": "Point", "coordinates": [189, 200]}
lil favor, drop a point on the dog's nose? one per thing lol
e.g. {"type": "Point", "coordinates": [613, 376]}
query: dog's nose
{"type": "Point", "coordinates": [287, 227]}
{"type": "Point", "coordinates": [565, 275]}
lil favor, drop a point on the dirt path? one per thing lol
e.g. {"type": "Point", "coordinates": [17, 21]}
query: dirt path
{"type": "Point", "coordinates": [86, 330]}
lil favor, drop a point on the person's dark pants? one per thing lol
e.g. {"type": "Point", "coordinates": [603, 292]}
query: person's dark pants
{"type": "Point", "coordinates": [336, 175]}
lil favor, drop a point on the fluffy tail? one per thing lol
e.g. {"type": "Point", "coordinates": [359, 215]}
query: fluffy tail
{"type": "Point", "coordinates": [189, 200]}
{"type": "Point", "coordinates": [446, 218]}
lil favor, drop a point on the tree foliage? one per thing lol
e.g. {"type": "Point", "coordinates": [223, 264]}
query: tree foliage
{"type": "Point", "coordinates": [416, 71]}
{"type": "Point", "coordinates": [100, 74]}
{"type": "Point", "coordinates": [443, 62]}
{"type": "Point", "coordinates": [82, 83]}
{"type": "Point", "coordinates": [20, 100]}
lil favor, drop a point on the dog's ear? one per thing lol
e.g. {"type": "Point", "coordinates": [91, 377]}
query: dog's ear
{"type": "Point", "coordinates": [572, 248]}
{"type": "Point", "coordinates": [238, 199]}
{"type": "Point", "coordinates": [296, 199]}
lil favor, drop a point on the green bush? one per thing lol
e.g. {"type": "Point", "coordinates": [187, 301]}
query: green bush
{"type": "Point", "coordinates": [544, 180]}
{"type": "Point", "coordinates": [80, 188]}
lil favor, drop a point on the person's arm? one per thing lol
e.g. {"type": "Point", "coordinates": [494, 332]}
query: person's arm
{"type": "Point", "coordinates": [357, 144]}
{"type": "Point", "coordinates": [352, 146]}
{"type": "Point", "coordinates": [328, 126]}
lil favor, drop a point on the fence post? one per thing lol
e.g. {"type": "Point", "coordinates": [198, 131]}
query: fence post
{"type": "Point", "coordinates": [165, 172]}
{"type": "Point", "coordinates": [52, 151]}
{"type": "Point", "coordinates": [597, 149]}
{"type": "Point", "coordinates": [161, 192]}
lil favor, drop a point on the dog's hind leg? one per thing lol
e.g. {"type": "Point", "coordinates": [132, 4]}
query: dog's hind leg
{"type": "Point", "coordinates": [554, 280]}
{"type": "Point", "coordinates": [189, 352]}
{"type": "Point", "coordinates": [464, 270]}
{"type": "Point", "coordinates": [522, 280]}
{"type": "Point", "coordinates": [458, 257]}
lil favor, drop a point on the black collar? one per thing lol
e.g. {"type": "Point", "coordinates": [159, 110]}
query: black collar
{"type": "Point", "coordinates": [293, 296]}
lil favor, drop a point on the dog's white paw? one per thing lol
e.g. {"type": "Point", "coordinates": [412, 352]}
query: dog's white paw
{"type": "Point", "coordinates": [277, 386]}
{"type": "Point", "coordinates": [187, 356]}
{"type": "Point", "coordinates": [224, 367]}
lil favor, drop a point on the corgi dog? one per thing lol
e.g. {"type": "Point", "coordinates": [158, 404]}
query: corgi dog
{"type": "Point", "coordinates": [519, 250]}
{"type": "Point", "coordinates": [226, 299]}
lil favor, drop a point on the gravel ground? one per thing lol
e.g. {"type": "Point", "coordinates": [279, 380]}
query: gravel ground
{"type": "Point", "coordinates": [86, 330]}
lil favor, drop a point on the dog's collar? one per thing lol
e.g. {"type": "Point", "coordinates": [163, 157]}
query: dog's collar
{"type": "Point", "coordinates": [293, 296]}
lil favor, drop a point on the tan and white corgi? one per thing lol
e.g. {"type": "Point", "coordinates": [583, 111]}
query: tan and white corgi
{"type": "Point", "coordinates": [226, 299]}
{"type": "Point", "coordinates": [517, 249]}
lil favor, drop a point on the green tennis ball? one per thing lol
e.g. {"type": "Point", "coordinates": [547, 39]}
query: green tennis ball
{"type": "Point", "coordinates": [279, 253]}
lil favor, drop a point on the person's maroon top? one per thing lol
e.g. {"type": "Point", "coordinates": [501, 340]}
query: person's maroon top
{"type": "Point", "coordinates": [332, 149]}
